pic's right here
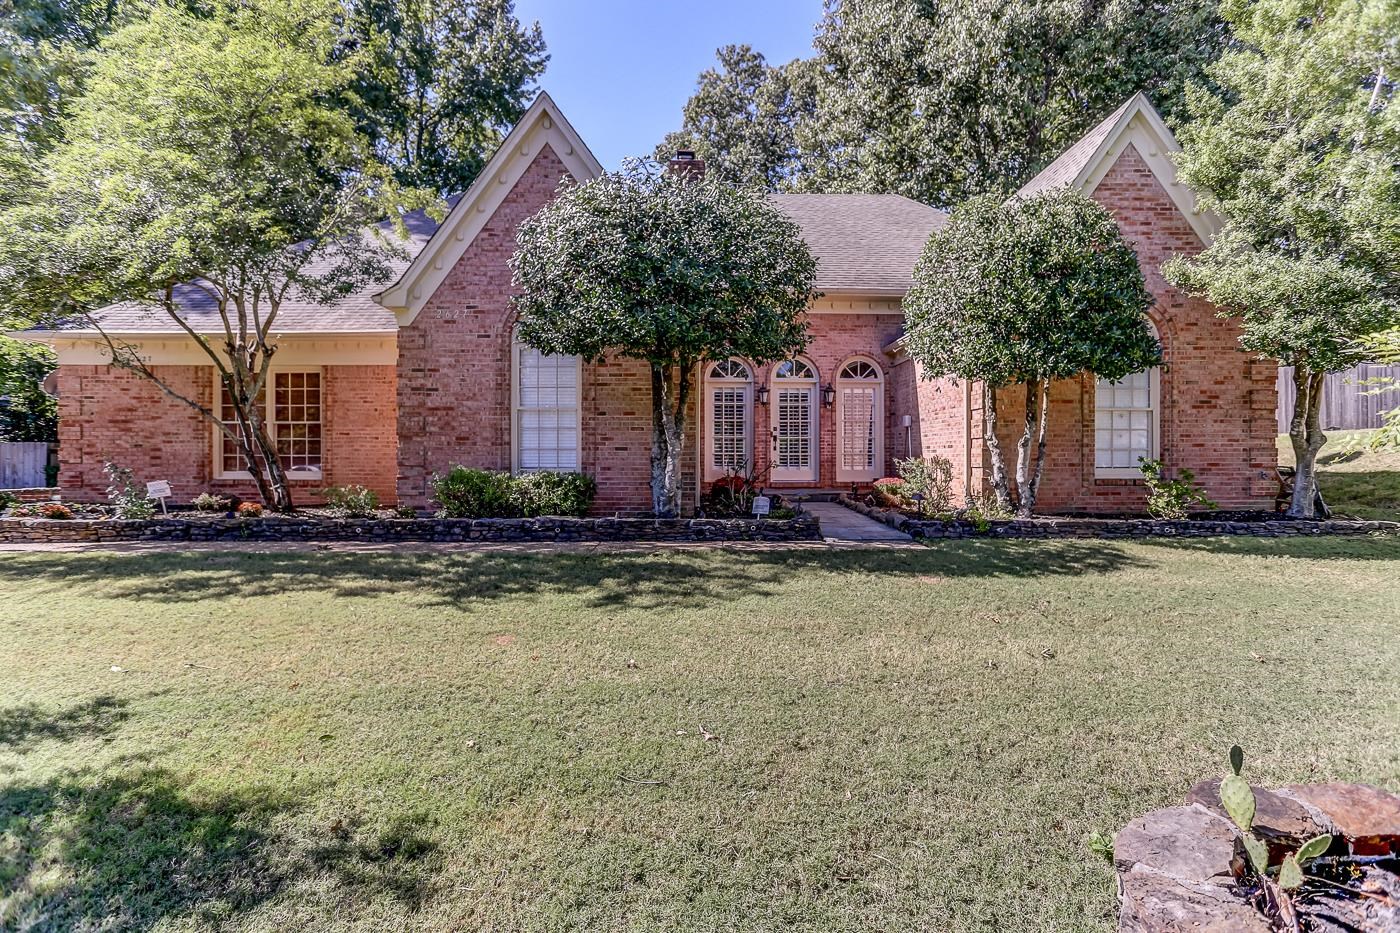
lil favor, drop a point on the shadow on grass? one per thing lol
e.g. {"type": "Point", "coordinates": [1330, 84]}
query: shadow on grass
{"type": "Point", "coordinates": [128, 848]}
{"type": "Point", "coordinates": [635, 579]}
{"type": "Point", "coordinates": [23, 726]}
{"type": "Point", "coordinates": [96, 850]}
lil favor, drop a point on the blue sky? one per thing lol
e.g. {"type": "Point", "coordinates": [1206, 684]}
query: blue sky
{"type": "Point", "coordinates": [622, 71]}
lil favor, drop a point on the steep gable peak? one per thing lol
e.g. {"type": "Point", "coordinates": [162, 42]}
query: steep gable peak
{"type": "Point", "coordinates": [542, 125]}
{"type": "Point", "coordinates": [1137, 124]}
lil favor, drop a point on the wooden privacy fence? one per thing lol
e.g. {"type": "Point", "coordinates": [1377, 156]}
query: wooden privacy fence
{"type": "Point", "coordinates": [22, 464]}
{"type": "Point", "coordinates": [1346, 406]}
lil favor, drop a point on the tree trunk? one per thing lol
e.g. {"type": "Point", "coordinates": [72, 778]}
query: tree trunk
{"type": "Point", "coordinates": [989, 436]}
{"type": "Point", "coordinates": [670, 390]}
{"type": "Point", "coordinates": [1305, 433]}
{"type": "Point", "coordinates": [1038, 399]}
{"type": "Point", "coordinates": [256, 445]}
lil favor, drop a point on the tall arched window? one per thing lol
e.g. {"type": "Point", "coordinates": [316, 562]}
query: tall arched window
{"type": "Point", "coordinates": [1127, 423]}
{"type": "Point", "coordinates": [545, 414]}
{"type": "Point", "coordinates": [860, 434]}
{"type": "Point", "coordinates": [728, 418]}
{"type": "Point", "coordinates": [794, 422]}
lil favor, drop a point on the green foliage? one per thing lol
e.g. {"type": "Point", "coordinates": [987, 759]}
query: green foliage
{"type": "Point", "coordinates": [1028, 291]}
{"type": "Point", "coordinates": [438, 81]}
{"type": "Point", "coordinates": [128, 497]}
{"type": "Point", "coordinates": [943, 101]}
{"type": "Point", "coordinates": [931, 477]}
{"type": "Point", "coordinates": [741, 119]}
{"type": "Point", "coordinates": [7, 499]}
{"type": "Point", "coordinates": [552, 493]}
{"type": "Point", "coordinates": [350, 501]}
{"type": "Point", "coordinates": [1313, 848]}
{"type": "Point", "coordinates": [207, 147]}
{"type": "Point", "coordinates": [1172, 499]}
{"type": "Point", "coordinates": [1031, 288]}
{"type": "Point", "coordinates": [27, 412]}
{"type": "Point", "coordinates": [656, 266]}
{"type": "Point", "coordinates": [467, 493]}
{"type": "Point", "coordinates": [1309, 257]}
{"type": "Point", "coordinates": [1290, 873]}
{"type": "Point", "coordinates": [1236, 759]}
{"type": "Point", "coordinates": [1101, 844]}
{"type": "Point", "coordinates": [210, 502]}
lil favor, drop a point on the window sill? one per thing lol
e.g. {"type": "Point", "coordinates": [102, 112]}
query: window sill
{"type": "Point", "coordinates": [303, 476]}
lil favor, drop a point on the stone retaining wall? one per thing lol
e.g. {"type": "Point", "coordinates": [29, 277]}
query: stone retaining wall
{"type": "Point", "coordinates": [1114, 527]}
{"type": "Point", "coordinates": [801, 528]}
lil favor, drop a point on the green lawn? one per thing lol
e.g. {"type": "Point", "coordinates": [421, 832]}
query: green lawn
{"type": "Point", "coordinates": [1355, 482]}
{"type": "Point", "coordinates": [679, 740]}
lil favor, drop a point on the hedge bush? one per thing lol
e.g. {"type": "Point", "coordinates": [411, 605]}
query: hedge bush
{"type": "Point", "coordinates": [466, 493]}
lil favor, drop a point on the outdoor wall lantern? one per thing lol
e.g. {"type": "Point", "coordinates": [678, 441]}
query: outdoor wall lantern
{"type": "Point", "coordinates": [763, 395]}
{"type": "Point", "coordinates": [828, 395]}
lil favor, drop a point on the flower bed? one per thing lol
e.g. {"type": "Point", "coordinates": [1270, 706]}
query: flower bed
{"type": "Point", "coordinates": [317, 528]}
{"type": "Point", "coordinates": [1252, 525]}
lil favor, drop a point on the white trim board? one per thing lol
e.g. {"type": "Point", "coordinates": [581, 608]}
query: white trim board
{"type": "Point", "coordinates": [542, 125]}
{"type": "Point", "coordinates": [1141, 127]}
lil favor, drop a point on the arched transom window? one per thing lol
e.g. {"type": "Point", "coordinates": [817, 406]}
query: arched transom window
{"type": "Point", "coordinates": [859, 423]}
{"type": "Point", "coordinates": [794, 425]}
{"type": "Point", "coordinates": [728, 418]}
{"type": "Point", "coordinates": [1127, 423]}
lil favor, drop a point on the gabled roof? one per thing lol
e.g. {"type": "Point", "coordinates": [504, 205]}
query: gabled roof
{"type": "Point", "coordinates": [1138, 124]}
{"type": "Point", "coordinates": [357, 313]}
{"type": "Point", "coordinates": [865, 244]}
{"type": "Point", "coordinates": [544, 124]}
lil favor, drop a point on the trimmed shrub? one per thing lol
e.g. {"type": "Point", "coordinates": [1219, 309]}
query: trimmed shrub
{"type": "Point", "coordinates": [1171, 500]}
{"type": "Point", "coordinates": [551, 493]}
{"type": "Point", "coordinates": [889, 491]}
{"type": "Point", "coordinates": [350, 501]}
{"type": "Point", "coordinates": [250, 509]}
{"type": "Point", "coordinates": [932, 476]}
{"type": "Point", "coordinates": [466, 493]}
{"type": "Point", "coordinates": [127, 496]}
{"type": "Point", "coordinates": [209, 502]}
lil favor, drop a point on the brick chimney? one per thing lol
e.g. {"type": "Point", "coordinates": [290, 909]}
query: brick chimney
{"type": "Point", "coordinates": [686, 164]}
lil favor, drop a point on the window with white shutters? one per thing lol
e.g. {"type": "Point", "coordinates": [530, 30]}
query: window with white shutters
{"type": "Point", "coordinates": [729, 418]}
{"type": "Point", "coordinates": [859, 422]}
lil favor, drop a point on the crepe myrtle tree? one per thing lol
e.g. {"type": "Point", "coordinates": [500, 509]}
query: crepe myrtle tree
{"type": "Point", "coordinates": [1024, 292]}
{"type": "Point", "coordinates": [206, 164]}
{"type": "Point", "coordinates": [1297, 152]}
{"type": "Point", "coordinates": [669, 268]}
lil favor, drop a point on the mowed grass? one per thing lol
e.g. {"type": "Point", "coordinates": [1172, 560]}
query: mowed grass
{"type": "Point", "coordinates": [1356, 482]}
{"type": "Point", "coordinates": [802, 739]}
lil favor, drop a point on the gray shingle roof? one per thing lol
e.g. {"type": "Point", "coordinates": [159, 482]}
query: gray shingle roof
{"type": "Point", "coordinates": [356, 313]}
{"type": "Point", "coordinates": [1064, 170]}
{"type": "Point", "coordinates": [864, 243]}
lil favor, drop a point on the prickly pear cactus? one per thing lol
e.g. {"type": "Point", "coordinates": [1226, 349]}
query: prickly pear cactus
{"type": "Point", "coordinates": [1236, 758]}
{"type": "Point", "coordinates": [1290, 874]}
{"type": "Point", "coordinates": [1238, 799]}
{"type": "Point", "coordinates": [1258, 853]}
{"type": "Point", "coordinates": [1312, 849]}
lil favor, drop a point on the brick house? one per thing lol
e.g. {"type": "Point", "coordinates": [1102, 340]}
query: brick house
{"type": "Point", "coordinates": [387, 387]}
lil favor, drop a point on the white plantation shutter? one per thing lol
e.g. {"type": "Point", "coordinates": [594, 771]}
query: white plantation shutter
{"type": "Point", "coordinates": [547, 404]}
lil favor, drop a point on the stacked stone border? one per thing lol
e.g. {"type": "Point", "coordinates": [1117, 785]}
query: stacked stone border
{"type": "Point", "coordinates": [276, 528]}
{"type": "Point", "coordinates": [1180, 868]}
{"type": "Point", "coordinates": [1114, 527]}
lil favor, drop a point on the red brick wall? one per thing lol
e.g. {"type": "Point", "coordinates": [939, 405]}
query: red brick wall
{"type": "Point", "coordinates": [107, 413]}
{"type": "Point", "coordinates": [1217, 402]}
{"type": "Point", "coordinates": [938, 412]}
{"type": "Point", "coordinates": [454, 385]}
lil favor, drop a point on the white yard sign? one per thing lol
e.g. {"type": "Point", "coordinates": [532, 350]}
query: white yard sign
{"type": "Point", "coordinates": [159, 490]}
{"type": "Point", "coordinates": [762, 505]}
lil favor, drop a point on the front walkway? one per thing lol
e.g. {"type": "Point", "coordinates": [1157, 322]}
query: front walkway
{"type": "Point", "coordinates": [841, 525]}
